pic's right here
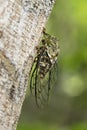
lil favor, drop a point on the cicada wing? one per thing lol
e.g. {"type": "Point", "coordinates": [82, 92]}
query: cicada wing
{"type": "Point", "coordinates": [42, 90]}
{"type": "Point", "coordinates": [47, 83]}
{"type": "Point", "coordinates": [33, 75]}
{"type": "Point", "coordinates": [40, 87]}
{"type": "Point", "coordinates": [35, 82]}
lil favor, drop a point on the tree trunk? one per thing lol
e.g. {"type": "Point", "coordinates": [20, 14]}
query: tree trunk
{"type": "Point", "coordinates": [21, 24]}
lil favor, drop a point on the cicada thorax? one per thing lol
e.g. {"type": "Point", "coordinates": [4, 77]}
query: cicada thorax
{"type": "Point", "coordinates": [52, 46]}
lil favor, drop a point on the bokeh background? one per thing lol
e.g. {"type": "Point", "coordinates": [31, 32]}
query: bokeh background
{"type": "Point", "coordinates": [67, 109]}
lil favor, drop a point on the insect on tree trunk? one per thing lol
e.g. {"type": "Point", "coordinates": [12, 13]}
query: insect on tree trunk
{"type": "Point", "coordinates": [21, 24]}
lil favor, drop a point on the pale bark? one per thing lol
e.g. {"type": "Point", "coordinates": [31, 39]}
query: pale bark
{"type": "Point", "coordinates": [21, 24]}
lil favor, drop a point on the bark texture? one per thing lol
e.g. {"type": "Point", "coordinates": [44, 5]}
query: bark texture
{"type": "Point", "coordinates": [21, 24]}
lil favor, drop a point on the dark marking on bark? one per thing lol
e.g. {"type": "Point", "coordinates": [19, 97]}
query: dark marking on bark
{"type": "Point", "coordinates": [1, 33]}
{"type": "Point", "coordinates": [12, 92]}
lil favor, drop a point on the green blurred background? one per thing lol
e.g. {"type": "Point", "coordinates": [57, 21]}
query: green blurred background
{"type": "Point", "coordinates": [67, 109]}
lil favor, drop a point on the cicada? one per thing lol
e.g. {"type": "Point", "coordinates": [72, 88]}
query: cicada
{"type": "Point", "coordinates": [42, 69]}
